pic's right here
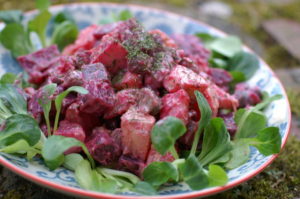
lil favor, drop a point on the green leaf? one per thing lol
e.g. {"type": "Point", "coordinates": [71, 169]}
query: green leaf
{"type": "Point", "coordinates": [206, 115]}
{"type": "Point", "coordinates": [194, 174]}
{"type": "Point", "coordinates": [217, 176]}
{"type": "Point", "coordinates": [39, 25]}
{"type": "Point", "coordinates": [244, 62]}
{"type": "Point", "coordinates": [72, 160]}
{"type": "Point", "coordinates": [8, 78]}
{"type": "Point", "coordinates": [226, 46]}
{"type": "Point", "coordinates": [206, 38]}
{"type": "Point", "coordinates": [11, 102]}
{"type": "Point", "coordinates": [56, 145]}
{"type": "Point", "coordinates": [63, 16]}
{"type": "Point", "coordinates": [158, 173]}
{"type": "Point", "coordinates": [20, 127]}
{"type": "Point", "coordinates": [45, 101]}
{"type": "Point", "coordinates": [237, 76]}
{"type": "Point", "coordinates": [14, 38]}
{"type": "Point", "coordinates": [239, 155]}
{"type": "Point", "coordinates": [249, 123]}
{"type": "Point", "coordinates": [92, 180]}
{"type": "Point", "coordinates": [125, 15]}
{"type": "Point", "coordinates": [42, 4]}
{"type": "Point", "coordinates": [266, 101]}
{"type": "Point", "coordinates": [64, 34]}
{"type": "Point", "coordinates": [216, 142]}
{"type": "Point", "coordinates": [144, 188]}
{"type": "Point", "coordinates": [268, 141]}
{"type": "Point", "coordinates": [218, 63]}
{"type": "Point", "coordinates": [117, 173]}
{"type": "Point", "coordinates": [122, 16]}
{"type": "Point", "coordinates": [11, 16]}
{"type": "Point", "coordinates": [21, 147]}
{"type": "Point", "coordinates": [165, 132]}
{"type": "Point", "coordinates": [59, 99]}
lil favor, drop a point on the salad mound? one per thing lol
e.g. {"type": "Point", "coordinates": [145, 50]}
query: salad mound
{"type": "Point", "coordinates": [137, 103]}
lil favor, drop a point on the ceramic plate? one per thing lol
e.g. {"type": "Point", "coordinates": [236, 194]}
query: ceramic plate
{"type": "Point", "coordinates": [278, 113]}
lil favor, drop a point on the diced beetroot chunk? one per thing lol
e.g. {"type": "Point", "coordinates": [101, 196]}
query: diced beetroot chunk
{"type": "Point", "coordinates": [72, 130]}
{"type": "Point", "coordinates": [101, 97]}
{"type": "Point", "coordinates": [84, 41]}
{"type": "Point", "coordinates": [105, 29]}
{"type": "Point", "coordinates": [212, 99]}
{"type": "Point", "coordinates": [163, 38]}
{"type": "Point", "coordinates": [144, 100]}
{"type": "Point", "coordinates": [110, 53]}
{"type": "Point", "coordinates": [131, 164]}
{"type": "Point", "coordinates": [176, 105]}
{"type": "Point", "coordinates": [247, 96]}
{"type": "Point", "coordinates": [148, 101]}
{"type": "Point", "coordinates": [82, 58]}
{"type": "Point", "coordinates": [184, 78]}
{"type": "Point", "coordinates": [154, 156]}
{"type": "Point", "coordinates": [229, 122]}
{"type": "Point", "coordinates": [226, 100]}
{"type": "Point", "coordinates": [36, 63]}
{"type": "Point", "coordinates": [124, 100]}
{"type": "Point", "coordinates": [87, 121]}
{"type": "Point", "coordinates": [95, 72]}
{"type": "Point", "coordinates": [34, 108]}
{"type": "Point", "coordinates": [187, 139]}
{"type": "Point", "coordinates": [220, 77]}
{"type": "Point", "coordinates": [127, 80]}
{"type": "Point", "coordinates": [102, 146]}
{"type": "Point", "coordinates": [72, 78]}
{"type": "Point", "coordinates": [136, 128]}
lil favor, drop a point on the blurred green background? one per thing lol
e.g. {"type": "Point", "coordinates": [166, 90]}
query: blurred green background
{"type": "Point", "coordinates": [255, 22]}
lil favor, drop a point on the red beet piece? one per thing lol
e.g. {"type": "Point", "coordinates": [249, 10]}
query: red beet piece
{"type": "Point", "coordinates": [131, 164]}
{"type": "Point", "coordinates": [187, 139]}
{"type": "Point", "coordinates": [95, 72]}
{"type": "Point", "coordinates": [220, 77]}
{"type": "Point", "coordinates": [184, 78]}
{"type": "Point", "coordinates": [82, 57]}
{"type": "Point", "coordinates": [105, 29]}
{"type": "Point", "coordinates": [124, 100]}
{"type": "Point", "coordinates": [229, 122]}
{"type": "Point", "coordinates": [101, 97]}
{"type": "Point", "coordinates": [102, 146]}
{"type": "Point", "coordinates": [110, 53]}
{"type": "Point", "coordinates": [136, 128]}
{"type": "Point", "coordinates": [36, 63]}
{"type": "Point", "coordinates": [127, 80]}
{"type": "Point", "coordinates": [84, 41]}
{"type": "Point", "coordinates": [87, 121]}
{"type": "Point", "coordinates": [154, 156]}
{"type": "Point", "coordinates": [176, 105]}
{"type": "Point", "coordinates": [144, 100]}
{"type": "Point", "coordinates": [246, 95]}
{"type": "Point", "coordinates": [72, 130]}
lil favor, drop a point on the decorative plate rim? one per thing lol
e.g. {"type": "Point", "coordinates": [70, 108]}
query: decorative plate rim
{"type": "Point", "coordinates": [91, 194]}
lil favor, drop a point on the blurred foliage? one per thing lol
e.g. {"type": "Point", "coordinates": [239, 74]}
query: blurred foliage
{"type": "Point", "coordinates": [294, 97]}
{"type": "Point", "coordinates": [249, 17]}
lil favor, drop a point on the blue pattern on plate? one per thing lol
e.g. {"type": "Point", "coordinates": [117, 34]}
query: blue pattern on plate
{"type": "Point", "coordinates": [86, 14]}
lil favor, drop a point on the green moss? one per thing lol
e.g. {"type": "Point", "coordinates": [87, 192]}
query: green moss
{"type": "Point", "coordinates": [280, 180]}
{"type": "Point", "coordinates": [294, 97]}
{"type": "Point", "coordinates": [12, 195]}
{"type": "Point", "coordinates": [249, 16]}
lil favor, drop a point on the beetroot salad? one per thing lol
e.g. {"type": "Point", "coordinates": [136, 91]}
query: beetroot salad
{"type": "Point", "coordinates": [129, 109]}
